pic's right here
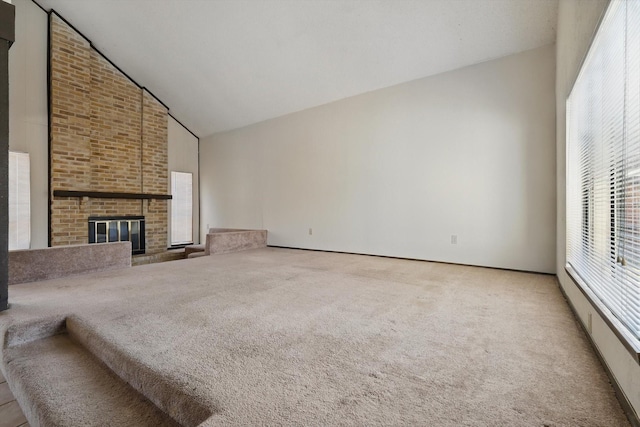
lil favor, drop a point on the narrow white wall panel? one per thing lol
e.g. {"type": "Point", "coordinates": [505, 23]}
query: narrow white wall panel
{"type": "Point", "coordinates": [28, 118]}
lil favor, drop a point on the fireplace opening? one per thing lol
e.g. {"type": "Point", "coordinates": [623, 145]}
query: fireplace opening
{"type": "Point", "coordinates": [104, 229]}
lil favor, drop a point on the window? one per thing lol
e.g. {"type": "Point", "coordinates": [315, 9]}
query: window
{"type": "Point", "coordinates": [181, 208]}
{"type": "Point", "coordinates": [603, 166]}
{"type": "Point", "coordinates": [19, 201]}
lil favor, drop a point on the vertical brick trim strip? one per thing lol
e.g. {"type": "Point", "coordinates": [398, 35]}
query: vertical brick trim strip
{"type": "Point", "coordinates": [141, 145]}
{"type": "Point", "coordinates": [154, 170]}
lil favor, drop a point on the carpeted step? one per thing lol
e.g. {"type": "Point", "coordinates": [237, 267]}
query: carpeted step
{"type": "Point", "coordinates": [196, 255]}
{"type": "Point", "coordinates": [166, 394]}
{"type": "Point", "coordinates": [64, 373]}
{"type": "Point", "coordinates": [25, 332]}
{"type": "Point", "coordinates": [59, 383]}
{"type": "Point", "coordinates": [194, 249]}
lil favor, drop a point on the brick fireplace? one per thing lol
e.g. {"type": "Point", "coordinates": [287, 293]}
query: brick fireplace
{"type": "Point", "coordinates": [108, 144]}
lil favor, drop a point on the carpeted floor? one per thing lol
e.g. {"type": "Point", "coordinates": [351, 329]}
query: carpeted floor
{"type": "Point", "coordinates": [287, 337]}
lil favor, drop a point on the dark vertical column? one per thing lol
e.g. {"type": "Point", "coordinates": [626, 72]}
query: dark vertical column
{"type": "Point", "coordinates": [7, 33]}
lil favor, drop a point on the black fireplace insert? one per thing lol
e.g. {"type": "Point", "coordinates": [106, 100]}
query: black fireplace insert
{"type": "Point", "coordinates": [103, 229]}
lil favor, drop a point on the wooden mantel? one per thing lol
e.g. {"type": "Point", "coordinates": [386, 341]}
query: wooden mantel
{"type": "Point", "coordinates": [107, 195]}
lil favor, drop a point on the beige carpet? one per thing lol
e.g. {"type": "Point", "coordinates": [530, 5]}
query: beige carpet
{"type": "Point", "coordinates": [287, 337]}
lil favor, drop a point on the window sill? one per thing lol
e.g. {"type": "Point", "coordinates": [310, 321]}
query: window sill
{"type": "Point", "coordinates": [631, 343]}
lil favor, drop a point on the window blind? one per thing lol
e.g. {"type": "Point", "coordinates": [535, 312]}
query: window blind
{"type": "Point", "coordinates": [181, 208]}
{"type": "Point", "coordinates": [19, 201]}
{"type": "Point", "coordinates": [603, 165]}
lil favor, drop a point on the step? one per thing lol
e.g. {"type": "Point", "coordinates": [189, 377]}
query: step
{"type": "Point", "coordinates": [170, 255]}
{"type": "Point", "coordinates": [194, 249]}
{"type": "Point", "coordinates": [162, 391]}
{"type": "Point", "coordinates": [59, 383]}
{"type": "Point", "coordinates": [196, 255]}
{"type": "Point", "coordinates": [64, 373]}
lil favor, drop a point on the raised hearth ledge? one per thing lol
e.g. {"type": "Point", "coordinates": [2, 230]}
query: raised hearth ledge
{"type": "Point", "coordinates": [226, 240]}
{"type": "Point", "coordinates": [32, 265]}
{"type": "Point", "coordinates": [106, 195]}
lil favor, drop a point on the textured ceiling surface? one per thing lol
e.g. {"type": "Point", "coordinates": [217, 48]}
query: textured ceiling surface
{"type": "Point", "coordinates": [222, 64]}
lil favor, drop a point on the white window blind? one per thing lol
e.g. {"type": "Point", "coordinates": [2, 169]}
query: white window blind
{"type": "Point", "coordinates": [19, 201]}
{"type": "Point", "coordinates": [603, 165]}
{"type": "Point", "coordinates": [181, 208]}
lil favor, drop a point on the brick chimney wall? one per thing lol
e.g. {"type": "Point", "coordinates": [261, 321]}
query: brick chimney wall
{"type": "Point", "coordinates": [107, 135]}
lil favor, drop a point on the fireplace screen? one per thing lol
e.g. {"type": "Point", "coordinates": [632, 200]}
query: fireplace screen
{"type": "Point", "coordinates": [118, 229]}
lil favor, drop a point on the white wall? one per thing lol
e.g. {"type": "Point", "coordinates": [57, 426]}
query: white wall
{"type": "Point", "coordinates": [398, 171]}
{"type": "Point", "coordinates": [577, 22]}
{"type": "Point", "coordinates": [183, 157]}
{"type": "Point", "coordinates": [28, 117]}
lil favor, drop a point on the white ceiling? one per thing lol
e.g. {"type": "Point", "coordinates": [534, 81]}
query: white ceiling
{"type": "Point", "coordinates": [222, 64]}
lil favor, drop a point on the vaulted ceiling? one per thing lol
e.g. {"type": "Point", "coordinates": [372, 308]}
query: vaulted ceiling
{"type": "Point", "coordinates": [222, 64]}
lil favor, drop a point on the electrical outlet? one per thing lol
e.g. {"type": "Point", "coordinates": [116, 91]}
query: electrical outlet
{"type": "Point", "coordinates": [310, 231]}
{"type": "Point", "coordinates": [454, 239]}
{"type": "Point", "coordinates": [589, 324]}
